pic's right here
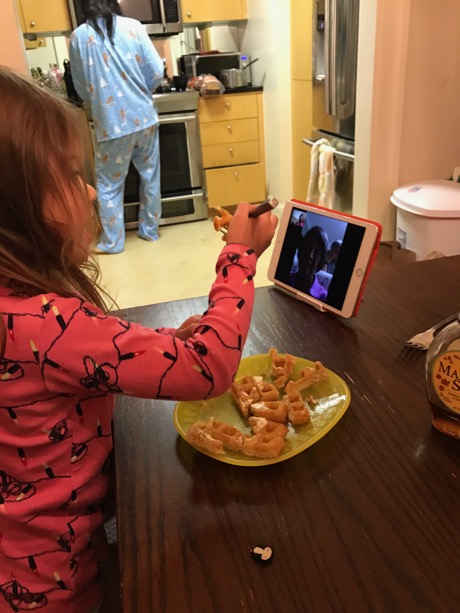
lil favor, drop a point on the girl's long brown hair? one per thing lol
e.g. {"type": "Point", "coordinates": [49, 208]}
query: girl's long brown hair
{"type": "Point", "coordinates": [40, 148]}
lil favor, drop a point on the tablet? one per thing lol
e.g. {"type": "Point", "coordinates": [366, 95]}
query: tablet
{"type": "Point", "coordinates": [323, 257]}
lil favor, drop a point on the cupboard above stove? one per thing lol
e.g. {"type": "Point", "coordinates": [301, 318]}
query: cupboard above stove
{"type": "Point", "coordinates": [199, 11]}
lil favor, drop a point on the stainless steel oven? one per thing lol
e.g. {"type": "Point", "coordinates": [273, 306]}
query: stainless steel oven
{"type": "Point", "coordinates": [182, 175]}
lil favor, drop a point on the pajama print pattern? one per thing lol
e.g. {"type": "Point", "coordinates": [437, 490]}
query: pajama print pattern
{"type": "Point", "coordinates": [64, 361]}
{"type": "Point", "coordinates": [117, 81]}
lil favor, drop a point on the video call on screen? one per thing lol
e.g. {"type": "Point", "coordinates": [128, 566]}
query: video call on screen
{"type": "Point", "coordinates": [318, 256]}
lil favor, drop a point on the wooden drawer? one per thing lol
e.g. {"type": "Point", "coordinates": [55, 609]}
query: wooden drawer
{"type": "Point", "coordinates": [232, 154]}
{"type": "Point", "coordinates": [227, 186]}
{"type": "Point", "coordinates": [233, 131]}
{"type": "Point", "coordinates": [221, 108]}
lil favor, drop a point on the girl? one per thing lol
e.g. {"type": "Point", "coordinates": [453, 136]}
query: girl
{"type": "Point", "coordinates": [62, 358]}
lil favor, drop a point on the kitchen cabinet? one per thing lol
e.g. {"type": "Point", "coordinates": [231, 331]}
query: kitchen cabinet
{"type": "Point", "coordinates": [38, 43]}
{"type": "Point", "coordinates": [302, 94]}
{"type": "Point", "coordinates": [233, 148]}
{"type": "Point", "coordinates": [44, 16]}
{"type": "Point", "coordinates": [196, 11]}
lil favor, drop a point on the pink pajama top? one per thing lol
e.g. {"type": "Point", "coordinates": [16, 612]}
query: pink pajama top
{"type": "Point", "coordinates": [64, 361]}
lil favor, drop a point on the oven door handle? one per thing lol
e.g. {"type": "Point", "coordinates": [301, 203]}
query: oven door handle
{"type": "Point", "coordinates": [196, 194]}
{"type": "Point", "coordinates": [176, 118]}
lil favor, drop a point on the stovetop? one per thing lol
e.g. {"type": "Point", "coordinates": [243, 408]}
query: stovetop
{"type": "Point", "coordinates": [176, 102]}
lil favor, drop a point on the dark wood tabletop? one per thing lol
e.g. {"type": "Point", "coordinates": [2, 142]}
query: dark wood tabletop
{"type": "Point", "coordinates": [366, 519]}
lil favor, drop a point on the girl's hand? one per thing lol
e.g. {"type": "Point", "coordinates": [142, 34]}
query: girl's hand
{"type": "Point", "coordinates": [187, 329]}
{"type": "Point", "coordinates": [255, 232]}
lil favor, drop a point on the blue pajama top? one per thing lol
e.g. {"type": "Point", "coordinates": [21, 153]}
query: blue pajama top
{"type": "Point", "coordinates": [116, 80]}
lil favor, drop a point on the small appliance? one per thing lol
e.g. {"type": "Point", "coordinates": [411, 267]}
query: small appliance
{"type": "Point", "coordinates": [160, 17]}
{"type": "Point", "coordinates": [195, 64]}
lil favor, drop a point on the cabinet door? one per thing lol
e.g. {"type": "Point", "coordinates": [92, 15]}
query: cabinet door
{"type": "Point", "coordinates": [195, 11]}
{"type": "Point", "coordinates": [232, 131]}
{"type": "Point", "coordinates": [230, 154]}
{"type": "Point", "coordinates": [231, 185]}
{"type": "Point", "coordinates": [222, 108]}
{"type": "Point", "coordinates": [45, 16]}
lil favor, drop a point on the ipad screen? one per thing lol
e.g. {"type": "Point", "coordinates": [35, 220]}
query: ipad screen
{"type": "Point", "coordinates": [318, 255]}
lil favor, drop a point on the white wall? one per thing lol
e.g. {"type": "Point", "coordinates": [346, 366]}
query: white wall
{"type": "Point", "coordinates": [408, 122]}
{"type": "Point", "coordinates": [267, 36]}
{"type": "Point", "coordinates": [55, 52]}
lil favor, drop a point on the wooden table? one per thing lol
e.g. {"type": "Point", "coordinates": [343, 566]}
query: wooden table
{"type": "Point", "coordinates": [367, 519]}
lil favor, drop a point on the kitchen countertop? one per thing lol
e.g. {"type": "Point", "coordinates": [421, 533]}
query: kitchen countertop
{"type": "Point", "coordinates": [247, 89]}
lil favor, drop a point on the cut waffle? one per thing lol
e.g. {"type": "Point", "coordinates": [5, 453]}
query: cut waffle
{"type": "Point", "coordinates": [261, 425]}
{"type": "Point", "coordinates": [275, 410]}
{"type": "Point", "coordinates": [311, 375]}
{"type": "Point", "coordinates": [231, 437]}
{"type": "Point", "coordinates": [281, 368]}
{"type": "Point", "coordinates": [263, 446]}
{"type": "Point", "coordinates": [198, 437]}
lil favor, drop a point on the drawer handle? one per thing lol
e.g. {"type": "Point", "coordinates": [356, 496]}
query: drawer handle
{"type": "Point", "coordinates": [236, 174]}
{"type": "Point", "coordinates": [230, 150]}
{"type": "Point", "coordinates": [32, 24]}
{"type": "Point", "coordinates": [189, 14]}
{"type": "Point", "coordinates": [227, 104]}
{"type": "Point", "coordinates": [229, 128]}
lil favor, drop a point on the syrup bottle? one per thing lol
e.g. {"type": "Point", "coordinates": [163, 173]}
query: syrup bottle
{"type": "Point", "coordinates": [443, 379]}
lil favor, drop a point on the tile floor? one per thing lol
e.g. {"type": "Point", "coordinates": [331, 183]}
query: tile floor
{"type": "Point", "coordinates": [179, 265]}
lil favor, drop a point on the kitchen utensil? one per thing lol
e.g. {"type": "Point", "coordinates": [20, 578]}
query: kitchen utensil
{"type": "Point", "coordinates": [180, 82]}
{"type": "Point", "coordinates": [256, 59]}
{"type": "Point", "coordinates": [233, 77]}
{"type": "Point", "coordinates": [424, 339]}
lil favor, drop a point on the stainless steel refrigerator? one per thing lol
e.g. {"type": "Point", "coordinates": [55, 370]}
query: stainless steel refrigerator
{"type": "Point", "coordinates": [335, 52]}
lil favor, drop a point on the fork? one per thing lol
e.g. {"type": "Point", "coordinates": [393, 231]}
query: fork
{"type": "Point", "coordinates": [424, 339]}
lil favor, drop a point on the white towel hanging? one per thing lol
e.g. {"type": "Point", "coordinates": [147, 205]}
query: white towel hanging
{"type": "Point", "coordinates": [321, 184]}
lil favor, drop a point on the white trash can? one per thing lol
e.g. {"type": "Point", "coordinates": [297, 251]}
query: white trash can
{"type": "Point", "coordinates": [428, 217]}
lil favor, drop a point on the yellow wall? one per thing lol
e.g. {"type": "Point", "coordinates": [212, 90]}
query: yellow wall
{"type": "Point", "coordinates": [12, 51]}
{"type": "Point", "coordinates": [301, 94]}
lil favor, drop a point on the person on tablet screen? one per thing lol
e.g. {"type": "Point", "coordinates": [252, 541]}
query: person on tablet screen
{"type": "Point", "coordinates": [311, 255]}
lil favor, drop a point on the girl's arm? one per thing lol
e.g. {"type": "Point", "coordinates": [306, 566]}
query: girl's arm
{"type": "Point", "coordinates": [85, 352]}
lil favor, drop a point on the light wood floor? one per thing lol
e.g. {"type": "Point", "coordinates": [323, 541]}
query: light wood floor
{"type": "Point", "coordinates": [179, 265]}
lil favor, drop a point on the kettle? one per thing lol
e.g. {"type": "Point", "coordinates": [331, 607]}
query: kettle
{"type": "Point", "coordinates": [165, 85]}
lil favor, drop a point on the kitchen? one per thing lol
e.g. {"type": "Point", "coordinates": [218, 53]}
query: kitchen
{"type": "Point", "coordinates": [407, 78]}
{"type": "Point", "coordinates": [338, 498]}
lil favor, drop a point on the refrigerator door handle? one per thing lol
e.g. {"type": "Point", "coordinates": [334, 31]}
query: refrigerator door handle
{"type": "Point", "coordinates": [332, 24]}
{"type": "Point", "coordinates": [327, 55]}
{"type": "Point", "coordinates": [347, 24]}
{"type": "Point", "coordinates": [339, 154]}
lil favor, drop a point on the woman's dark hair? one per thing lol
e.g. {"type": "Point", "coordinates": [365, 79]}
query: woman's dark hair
{"type": "Point", "coordinates": [316, 236]}
{"type": "Point", "coordinates": [92, 9]}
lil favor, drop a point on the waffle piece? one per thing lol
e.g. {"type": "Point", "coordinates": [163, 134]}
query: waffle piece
{"type": "Point", "coordinates": [198, 437]}
{"type": "Point", "coordinates": [297, 411]}
{"type": "Point", "coordinates": [263, 446]}
{"type": "Point", "coordinates": [231, 437]}
{"type": "Point", "coordinates": [272, 410]}
{"type": "Point", "coordinates": [261, 425]}
{"type": "Point", "coordinates": [310, 376]}
{"type": "Point", "coordinates": [245, 392]}
{"type": "Point", "coordinates": [268, 392]}
{"type": "Point", "coordinates": [282, 366]}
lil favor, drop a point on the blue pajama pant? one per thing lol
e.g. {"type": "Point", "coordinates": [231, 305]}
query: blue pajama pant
{"type": "Point", "coordinates": [112, 159]}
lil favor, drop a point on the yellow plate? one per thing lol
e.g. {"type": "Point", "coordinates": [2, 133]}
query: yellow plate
{"type": "Point", "coordinates": [332, 396]}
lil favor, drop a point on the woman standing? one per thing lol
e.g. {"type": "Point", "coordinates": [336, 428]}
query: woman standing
{"type": "Point", "coordinates": [115, 69]}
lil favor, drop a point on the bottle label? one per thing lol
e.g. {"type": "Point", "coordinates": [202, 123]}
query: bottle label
{"type": "Point", "coordinates": [446, 379]}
